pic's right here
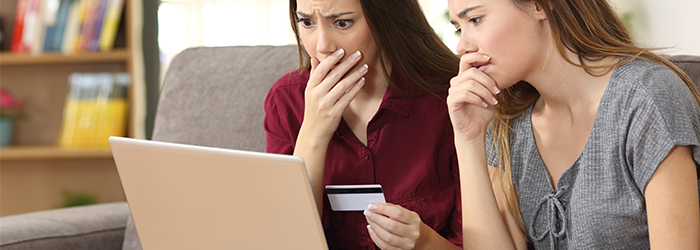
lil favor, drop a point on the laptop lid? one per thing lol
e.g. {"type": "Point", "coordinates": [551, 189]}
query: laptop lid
{"type": "Point", "coordinates": [193, 197]}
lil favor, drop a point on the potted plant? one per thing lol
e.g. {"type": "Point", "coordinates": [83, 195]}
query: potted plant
{"type": "Point", "coordinates": [11, 109]}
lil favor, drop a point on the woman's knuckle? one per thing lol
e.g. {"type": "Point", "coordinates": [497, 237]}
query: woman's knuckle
{"type": "Point", "coordinates": [391, 240]}
{"type": "Point", "coordinates": [411, 245]}
{"type": "Point", "coordinates": [453, 81]}
{"type": "Point", "coordinates": [333, 75]}
{"type": "Point", "coordinates": [392, 226]}
{"type": "Point", "coordinates": [471, 84]}
{"type": "Point", "coordinates": [415, 235]}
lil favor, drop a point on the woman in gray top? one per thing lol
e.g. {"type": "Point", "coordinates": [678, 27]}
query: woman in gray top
{"type": "Point", "coordinates": [595, 142]}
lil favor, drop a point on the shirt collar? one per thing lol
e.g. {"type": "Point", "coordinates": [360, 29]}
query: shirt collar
{"type": "Point", "coordinates": [394, 100]}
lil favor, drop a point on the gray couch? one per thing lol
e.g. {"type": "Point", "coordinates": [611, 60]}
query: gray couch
{"type": "Point", "coordinates": [211, 97]}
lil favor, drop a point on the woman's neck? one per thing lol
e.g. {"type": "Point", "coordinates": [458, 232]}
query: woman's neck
{"type": "Point", "coordinates": [566, 89]}
{"type": "Point", "coordinates": [375, 86]}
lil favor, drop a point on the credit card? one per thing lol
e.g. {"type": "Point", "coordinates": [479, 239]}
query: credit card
{"type": "Point", "coordinates": [354, 197]}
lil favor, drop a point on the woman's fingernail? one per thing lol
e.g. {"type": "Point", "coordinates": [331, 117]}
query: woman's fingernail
{"type": "Point", "coordinates": [367, 213]}
{"type": "Point", "coordinates": [372, 206]}
{"type": "Point", "coordinates": [364, 68]}
{"type": "Point", "coordinates": [484, 104]}
{"type": "Point", "coordinates": [493, 99]}
{"type": "Point", "coordinates": [361, 81]}
{"type": "Point", "coordinates": [339, 53]}
{"type": "Point", "coordinates": [369, 228]}
{"type": "Point", "coordinates": [356, 55]}
{"type": "Point", "coordinates": [487, 57]}
{"type": "Point", "coordinates": [496, 90]}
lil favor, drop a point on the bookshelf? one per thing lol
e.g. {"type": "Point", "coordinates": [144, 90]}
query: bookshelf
{"type": "Point", "coordinates": [9, 59]}
{"type": "Point", "coordinates": [52, 153]}
{"type": "Point", "coordinates": [34, 171]}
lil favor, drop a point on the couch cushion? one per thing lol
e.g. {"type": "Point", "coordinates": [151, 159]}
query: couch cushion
{"type": "Point", "coordinates": [689, 64]}
{"type": "Point", "coordinates": [86, 227]}
{"type": "Point", "coordinates": [213, 96]}
{"type": "Point", "coordinates": [131, 237]}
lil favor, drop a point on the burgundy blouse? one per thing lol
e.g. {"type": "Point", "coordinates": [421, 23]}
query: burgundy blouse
{"type": "Point", "coordinates": [410, 152]}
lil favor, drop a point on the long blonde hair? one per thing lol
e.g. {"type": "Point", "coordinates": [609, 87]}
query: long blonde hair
{"type": "Point", "coordinates": [590, 29]}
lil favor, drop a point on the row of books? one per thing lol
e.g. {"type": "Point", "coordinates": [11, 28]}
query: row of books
{"type": "Point", "coordinates": [66, 26]}
{"type": "Point", "coordinates": [95, 109]}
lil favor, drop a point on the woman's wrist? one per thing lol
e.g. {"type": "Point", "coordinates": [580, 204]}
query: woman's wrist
{"type": "Point", "coordinates": [478, 141]}
{"type": "Point", "coordinates": [311, 138]}
{"type": "Point", "coordinates": [430, 239]}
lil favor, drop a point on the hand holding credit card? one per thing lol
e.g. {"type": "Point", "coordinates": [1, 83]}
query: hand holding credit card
{"type": "Point", "coordinates": [354, 197]}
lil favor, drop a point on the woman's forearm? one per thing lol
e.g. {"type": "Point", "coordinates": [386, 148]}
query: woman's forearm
{"type": "Point", "coordinates": [482, 223]}
{"type": "Point", "coordinates": [313, 151]}
{"type": "Point", "coordinates": [434, 241]}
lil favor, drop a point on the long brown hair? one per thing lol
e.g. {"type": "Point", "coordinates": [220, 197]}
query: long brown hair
{"type": "Point", "coordinates": [404, 39]}
{"type": "Point", "coordinates": [592, 30]}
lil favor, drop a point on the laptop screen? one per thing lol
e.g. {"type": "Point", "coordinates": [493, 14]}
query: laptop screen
{"type": "Point", "coordinates": [193, 197]}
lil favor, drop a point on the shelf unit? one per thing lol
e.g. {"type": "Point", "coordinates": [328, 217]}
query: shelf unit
{"type": "Point", "coordinates": [34, 171]}
{"type": "Point", "coordinates": [42, 82]}
{"type": "Point", "coordinates": [19, 153]}
{"type": "Point", "coordinates": [117, 55]}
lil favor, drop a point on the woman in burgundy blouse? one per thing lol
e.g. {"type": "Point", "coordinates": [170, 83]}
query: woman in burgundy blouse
{"type": "Point", "coordinates": [368, 106]}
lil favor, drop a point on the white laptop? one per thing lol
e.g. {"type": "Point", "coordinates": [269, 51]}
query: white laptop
{"type": "Point", "coordinates": [192, 197]}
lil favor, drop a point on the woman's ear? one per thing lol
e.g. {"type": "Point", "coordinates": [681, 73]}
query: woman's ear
{"type": "Point", "coordinates": [538, 11]}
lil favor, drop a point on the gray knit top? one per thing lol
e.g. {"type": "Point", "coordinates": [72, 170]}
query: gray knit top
{"type": "Point", "coordinates": [645, 111]}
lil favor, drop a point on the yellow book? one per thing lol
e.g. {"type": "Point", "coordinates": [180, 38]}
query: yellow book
{"type": "Point", "coordinates": [118, 106]}
{"type": "Point", "coordinates": [110, 121]}
{"type": "Point", "coordinates": [96, 108]}
{"type": "Point", "coordinates": [111, 109]}
{"type": "Point", "coordinates": [76, 111]}
{"type": "Point", "coordinates": [110, 24]}
{"type": "Point", "coordinates": [70, 121]}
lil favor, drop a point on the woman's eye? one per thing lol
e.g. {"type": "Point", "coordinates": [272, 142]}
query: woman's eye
{"type": "Point", "coordinates": [475, 20]}
{"type": "Point", "coordinates": [306, 22]}
{"type": "Point", "coordinates": [343, 24]}
{"type": "Point", "coordinates": [458, 31]}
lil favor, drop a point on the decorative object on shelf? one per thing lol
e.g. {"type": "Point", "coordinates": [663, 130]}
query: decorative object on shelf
{"type": "Point", "coordinates": [7, 126]}
{"type": "Point", "coordinates": [631, 13]}
{"type": "Point", "coordinates": [11, 109]}
{"type": "Point", "coordinates": [74, 199]}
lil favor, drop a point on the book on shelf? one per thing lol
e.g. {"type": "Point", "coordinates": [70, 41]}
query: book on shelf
{"type": "Point", "coordinates": [50, 17]}
{"type": "Point", "coordinates": [72, 29]}
{"type": "Point", "coordinates": [96, 108]}
{"type": "Point", "coordinates": [92, 41]}
{"type": "Point", "coordinates": [110, 25]}
{"type": "Point", "coordinates": [28, 23]}
{"type": "Point", "coordinates": [18, 28]}
{"type": "Point", "coordinates": [66, 26]}
{"type": "Point", "coordinates": [56, 26]}
{"type": "Point", "coordinates": [35, 26]}
{"type": "Point", "coordinates": [89, 23]}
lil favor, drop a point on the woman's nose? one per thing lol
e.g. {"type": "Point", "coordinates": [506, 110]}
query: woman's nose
{"type": "Point", "coordinates": [325, 43]}
{"type": "Point", "coordinates": [466, 45]}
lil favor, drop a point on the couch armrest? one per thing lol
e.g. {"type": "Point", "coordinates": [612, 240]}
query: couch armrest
{"type": "Point", "coordinates": [87, 227]}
